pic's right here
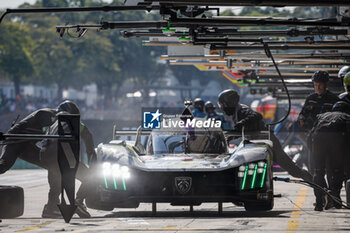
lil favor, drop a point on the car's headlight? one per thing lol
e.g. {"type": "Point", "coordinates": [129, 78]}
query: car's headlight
{"type": "Point", "coordinates": [116, 171]}
{"type": "Point", "coordinates": [252, 175]}
{"type": "Point", "coordinates": [125, 172]}
{"type": "Point", "coordinates": [106, 167]}
{"type": "Point", "coordinates": [115, 175]}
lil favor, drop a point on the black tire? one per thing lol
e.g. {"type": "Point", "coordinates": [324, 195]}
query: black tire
{"type": "Point", "coordinates": [93, 204]}
{"type": "Point", "coordinates": [238, 203]}
{"type": "Point", "coordinates": [93, 201]}
{"type": "Point", "coordinates": [127, 204]}
{"type": "Point", "coordinates": [258, 206]}
{"type": "Point", "coordinates": [11, 201]}
{"type": "Point", "coordinates": [347, 189]}
{"type": "Point", "coordinates": [261, 205]}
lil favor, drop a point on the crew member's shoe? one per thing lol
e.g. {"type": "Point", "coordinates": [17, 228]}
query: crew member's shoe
{"type": "Point", "coordinates": [334, 204]}
{"type": "Point", "coordinates": [321, 201]}
{"type": "Point", "coordinates": [51, 212]}
{"type": "Point", "coordinates": [337, 204]}
{"type": "Point", "coordinates": [81, 209]}
{"type": "Point", "coordinates": [318, 207]}
{"type": "Point", "coordinates": [329, 203]}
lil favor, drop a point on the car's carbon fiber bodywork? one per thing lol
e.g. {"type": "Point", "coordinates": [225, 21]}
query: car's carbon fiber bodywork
{"type": "Point", "coordinates": [240, 175]}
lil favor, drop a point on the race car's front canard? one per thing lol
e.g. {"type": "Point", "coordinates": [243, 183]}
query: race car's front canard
{"type": "Point", "coordinates": [186, 166]}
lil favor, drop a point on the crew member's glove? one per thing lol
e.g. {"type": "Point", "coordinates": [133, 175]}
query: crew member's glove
{"type": "Point", "coordinates": [43, 145]}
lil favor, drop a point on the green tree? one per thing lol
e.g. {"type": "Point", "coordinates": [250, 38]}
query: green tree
{"type": "Point", "coordinates": [104, 58]}
{"type": "Point", "coordinates": [227, 12]}
{"type": "Point", "coordinates": [138, 63]}
{"type": "Point", "coordinates": [15, 53]}
{"type": "Point", "coordinates": [146, 72]}
{"type": "Point", "coordinates": [97, 63]}
{"type": "Point", "coordinates": [314, 12]}
{"type": "Point", "coordinates": [54, 61]}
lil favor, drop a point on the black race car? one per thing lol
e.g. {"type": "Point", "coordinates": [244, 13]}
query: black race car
{"type": "Point", "coordinates": [182, 167]}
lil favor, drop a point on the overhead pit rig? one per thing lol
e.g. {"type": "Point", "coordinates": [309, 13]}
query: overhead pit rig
{"type": "Point", "coordinates": [194, 36]}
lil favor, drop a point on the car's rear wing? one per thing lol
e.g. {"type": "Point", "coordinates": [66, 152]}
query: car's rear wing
{"type": "Point", "coordinates": [139, 131]}
{"type": "Point", "coordinates": [136, 133]}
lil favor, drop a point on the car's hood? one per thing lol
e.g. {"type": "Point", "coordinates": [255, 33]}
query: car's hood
{"type": "Point", "coordinates": [126, 155]}
{"type": "Point", "coordinates": [183, 161]}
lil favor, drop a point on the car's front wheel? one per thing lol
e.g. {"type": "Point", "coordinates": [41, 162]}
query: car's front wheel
{"type": "Point", "coordinates": [93, 201]}
{"type": "Point", "coordinates": [258, 206]}
{"type": "Point", "coordinates": [11, 201]}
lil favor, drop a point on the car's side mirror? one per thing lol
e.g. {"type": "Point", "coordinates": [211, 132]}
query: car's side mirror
{"type": "Point", "coordinates": [138, 144]}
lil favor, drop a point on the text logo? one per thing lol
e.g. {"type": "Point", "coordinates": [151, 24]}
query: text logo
{"type": "Point", "coordinates": [151, 120]}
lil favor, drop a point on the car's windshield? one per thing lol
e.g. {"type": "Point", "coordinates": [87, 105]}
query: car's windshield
{"type": "Point", "coordinates": [186, 142]}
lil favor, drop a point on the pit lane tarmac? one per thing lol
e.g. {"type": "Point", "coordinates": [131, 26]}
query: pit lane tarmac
{"type": "Point", "coordinates": [293, 212]}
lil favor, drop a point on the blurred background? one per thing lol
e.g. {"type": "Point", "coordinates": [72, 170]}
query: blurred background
{"type": "Point", "coordinates": [111, 78]}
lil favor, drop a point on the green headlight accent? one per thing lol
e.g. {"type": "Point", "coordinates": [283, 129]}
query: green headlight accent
{"type": "Point", "coordinates": [124, 184]}
{"type": "Point", "coordinates": [254, 176]}
{"type": "Point", "coordinates": [106, 182]}
{"type": "Point", "coordinates": [263, 176]}
{"type": "Point", "coordinates": [169, 30]}
{"type": "Point", "coordinates": [184, 38]}
{"type": "Point", "coordinates": [244, 177]}
{"type": "Point", "coordinates": [115, 183]}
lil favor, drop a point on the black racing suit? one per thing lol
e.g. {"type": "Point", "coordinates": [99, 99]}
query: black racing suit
{"type": "Point", "coordinates": [330, 154]}
{"type": "Point", "coordinates": [35, 123]}
{"type": "Point", "coordinates": [316, 104]}
{"type": "Point", "coordinates": [346, 98]}
{"type": "Point", "coordinates": [253, 121]}
{"type": "Point", "coordinates": [49, 155]}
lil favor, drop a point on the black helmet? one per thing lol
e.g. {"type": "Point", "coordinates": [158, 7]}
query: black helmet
{"type": "Point", "coordinates": [320, 76]}
{"type": "Point", "coordinates": [209, 106]}
{"type": "Point", "coordinates": [228, 101]}
{"type": "Point", "coordinates": [198, 104]}
{"type": "Point", "coordinates": [341, 106]}
{"type": "Point", "coordinates": [343, 71]}
{"type": "Point", "coordinates": [68, 106]}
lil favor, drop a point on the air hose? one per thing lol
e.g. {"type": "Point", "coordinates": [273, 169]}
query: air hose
{"type": "Point", "coordinates": [269, 54]}
{"type": "Point", "coordinates": [315, 186]}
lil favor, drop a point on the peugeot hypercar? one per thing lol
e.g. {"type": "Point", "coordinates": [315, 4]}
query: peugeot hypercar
{"type": "Point", "coordinates": [182, 167]}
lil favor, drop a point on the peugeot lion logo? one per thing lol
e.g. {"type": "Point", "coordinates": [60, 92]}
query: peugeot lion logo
{"type": "Point", "coordinates": [183, 184]}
